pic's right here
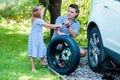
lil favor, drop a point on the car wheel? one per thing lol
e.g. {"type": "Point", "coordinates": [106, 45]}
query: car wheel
{"type": "Point", "coordinates": [63, 54]}
{"type": "Point", "coordinates": [96, 52]}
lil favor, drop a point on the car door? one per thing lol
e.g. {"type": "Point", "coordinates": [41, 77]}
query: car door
{"type": "Point", "coordinates": [112, 23]}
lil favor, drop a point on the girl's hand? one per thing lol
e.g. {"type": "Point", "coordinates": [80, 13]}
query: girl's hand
{"type": "Point", "coordinates": [59, 26]}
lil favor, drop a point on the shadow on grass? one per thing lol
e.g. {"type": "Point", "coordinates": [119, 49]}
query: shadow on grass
{"type": "Point", "coordinates": [14, 62]}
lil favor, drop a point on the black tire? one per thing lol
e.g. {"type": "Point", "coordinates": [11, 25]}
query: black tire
{"type": "Point", "coordinates": [69, 55]}
{"type": "Point", "coordinates": [96, 53]}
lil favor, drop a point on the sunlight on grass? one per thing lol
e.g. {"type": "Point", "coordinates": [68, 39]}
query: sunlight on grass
{"type": "Point", "coordinates": [25, 77]}
{"type": "Point", "coordinates": [14, 62]}
{"type": "Point", "coordinates": [20, 28]}
{"type": "Point", "coordinates": [23, 54]}
{"type": "Point", "coordinates": [32, 78]}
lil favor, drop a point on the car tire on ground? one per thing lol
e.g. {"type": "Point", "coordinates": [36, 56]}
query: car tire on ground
{"type": "Point", "coordinates": [96, 53]}
{"type": "Point", "coordinates": [63, 54]}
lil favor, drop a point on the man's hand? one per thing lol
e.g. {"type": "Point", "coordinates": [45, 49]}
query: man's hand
{"type": "Point", "coordinates": [67, 22]}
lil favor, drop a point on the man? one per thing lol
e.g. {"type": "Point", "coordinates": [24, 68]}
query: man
{"type": "Point", "coordinates": [71, 26]}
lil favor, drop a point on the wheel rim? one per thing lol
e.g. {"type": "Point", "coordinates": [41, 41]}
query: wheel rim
{"type": "Point", "coordinates": [66, 56]}
{"type": "Point", "coordinates": [62, 57]}
{"type": "Point", "coordinates": [94, 50]}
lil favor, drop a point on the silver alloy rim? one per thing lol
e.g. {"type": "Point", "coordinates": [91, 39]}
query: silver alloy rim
{"type": "Point", "coordinates": [94, 50]}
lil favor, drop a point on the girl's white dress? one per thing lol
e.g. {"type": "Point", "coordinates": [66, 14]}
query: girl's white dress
{"type": "Point", "coordinates": [36, 45]}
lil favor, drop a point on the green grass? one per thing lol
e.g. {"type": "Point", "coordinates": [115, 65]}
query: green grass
{"type": "Point", "coordinates": [14, 62]}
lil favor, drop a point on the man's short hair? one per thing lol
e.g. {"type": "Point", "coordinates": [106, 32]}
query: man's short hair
{"type": "Point", "coordinates": [75, 7]}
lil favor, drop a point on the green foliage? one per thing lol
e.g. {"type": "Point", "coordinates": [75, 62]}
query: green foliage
{"type": "Point", "coordinates": [14, 62]}
{"type": "Point", "coordinates": [21, 9]}
{"type": "Point", "coordinates": [84, 6]}
{"type": "Point", "coordinates": [16, 9]}
{"type": "Point", "coordinates": [83, 18]}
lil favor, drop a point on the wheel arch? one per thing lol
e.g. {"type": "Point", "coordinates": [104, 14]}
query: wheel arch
{"type": "Point", "coordinates": [90, 26]}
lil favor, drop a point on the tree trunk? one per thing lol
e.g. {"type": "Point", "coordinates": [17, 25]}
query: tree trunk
{"type": "Point", "coordinates": [54, 8]}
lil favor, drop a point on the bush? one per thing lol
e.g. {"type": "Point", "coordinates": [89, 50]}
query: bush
{"type": "Point", "coordinates": [21, 9]}
{"type": "Point", "coordinates": [16, 9]}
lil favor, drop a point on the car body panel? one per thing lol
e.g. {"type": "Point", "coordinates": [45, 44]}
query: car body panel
{"type": "Point", "coordinates": [106, 15]}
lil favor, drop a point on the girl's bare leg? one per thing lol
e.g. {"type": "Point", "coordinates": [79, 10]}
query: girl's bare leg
{"type": "Point", "coordinates": [32, 63]}
{"type": "Point", "coordinates": [42, 63]}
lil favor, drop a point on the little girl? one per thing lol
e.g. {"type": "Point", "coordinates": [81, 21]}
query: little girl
{"type": "Point", "coordinates": [36, 45]}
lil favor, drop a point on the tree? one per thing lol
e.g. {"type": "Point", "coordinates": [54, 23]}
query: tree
{"type": "Point", "coordinates": [54, 7]}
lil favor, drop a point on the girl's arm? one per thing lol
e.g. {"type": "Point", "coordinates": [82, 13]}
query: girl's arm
{"type": "Point", "coordinates": [51, 26]}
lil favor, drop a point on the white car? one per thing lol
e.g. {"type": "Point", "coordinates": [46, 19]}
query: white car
{"type": "Point", "coordinates": [103, 35]}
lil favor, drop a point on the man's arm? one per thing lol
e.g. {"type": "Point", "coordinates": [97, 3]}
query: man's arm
{"type": "Point", "coordinates": [72, 33]}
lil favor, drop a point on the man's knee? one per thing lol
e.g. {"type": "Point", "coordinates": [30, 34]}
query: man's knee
{"type": "Point", "coordinates": [82, 52]}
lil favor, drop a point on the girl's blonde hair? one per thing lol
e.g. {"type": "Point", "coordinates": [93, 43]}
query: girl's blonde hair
{"type": "Point", "coordinates": [36, 13]}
